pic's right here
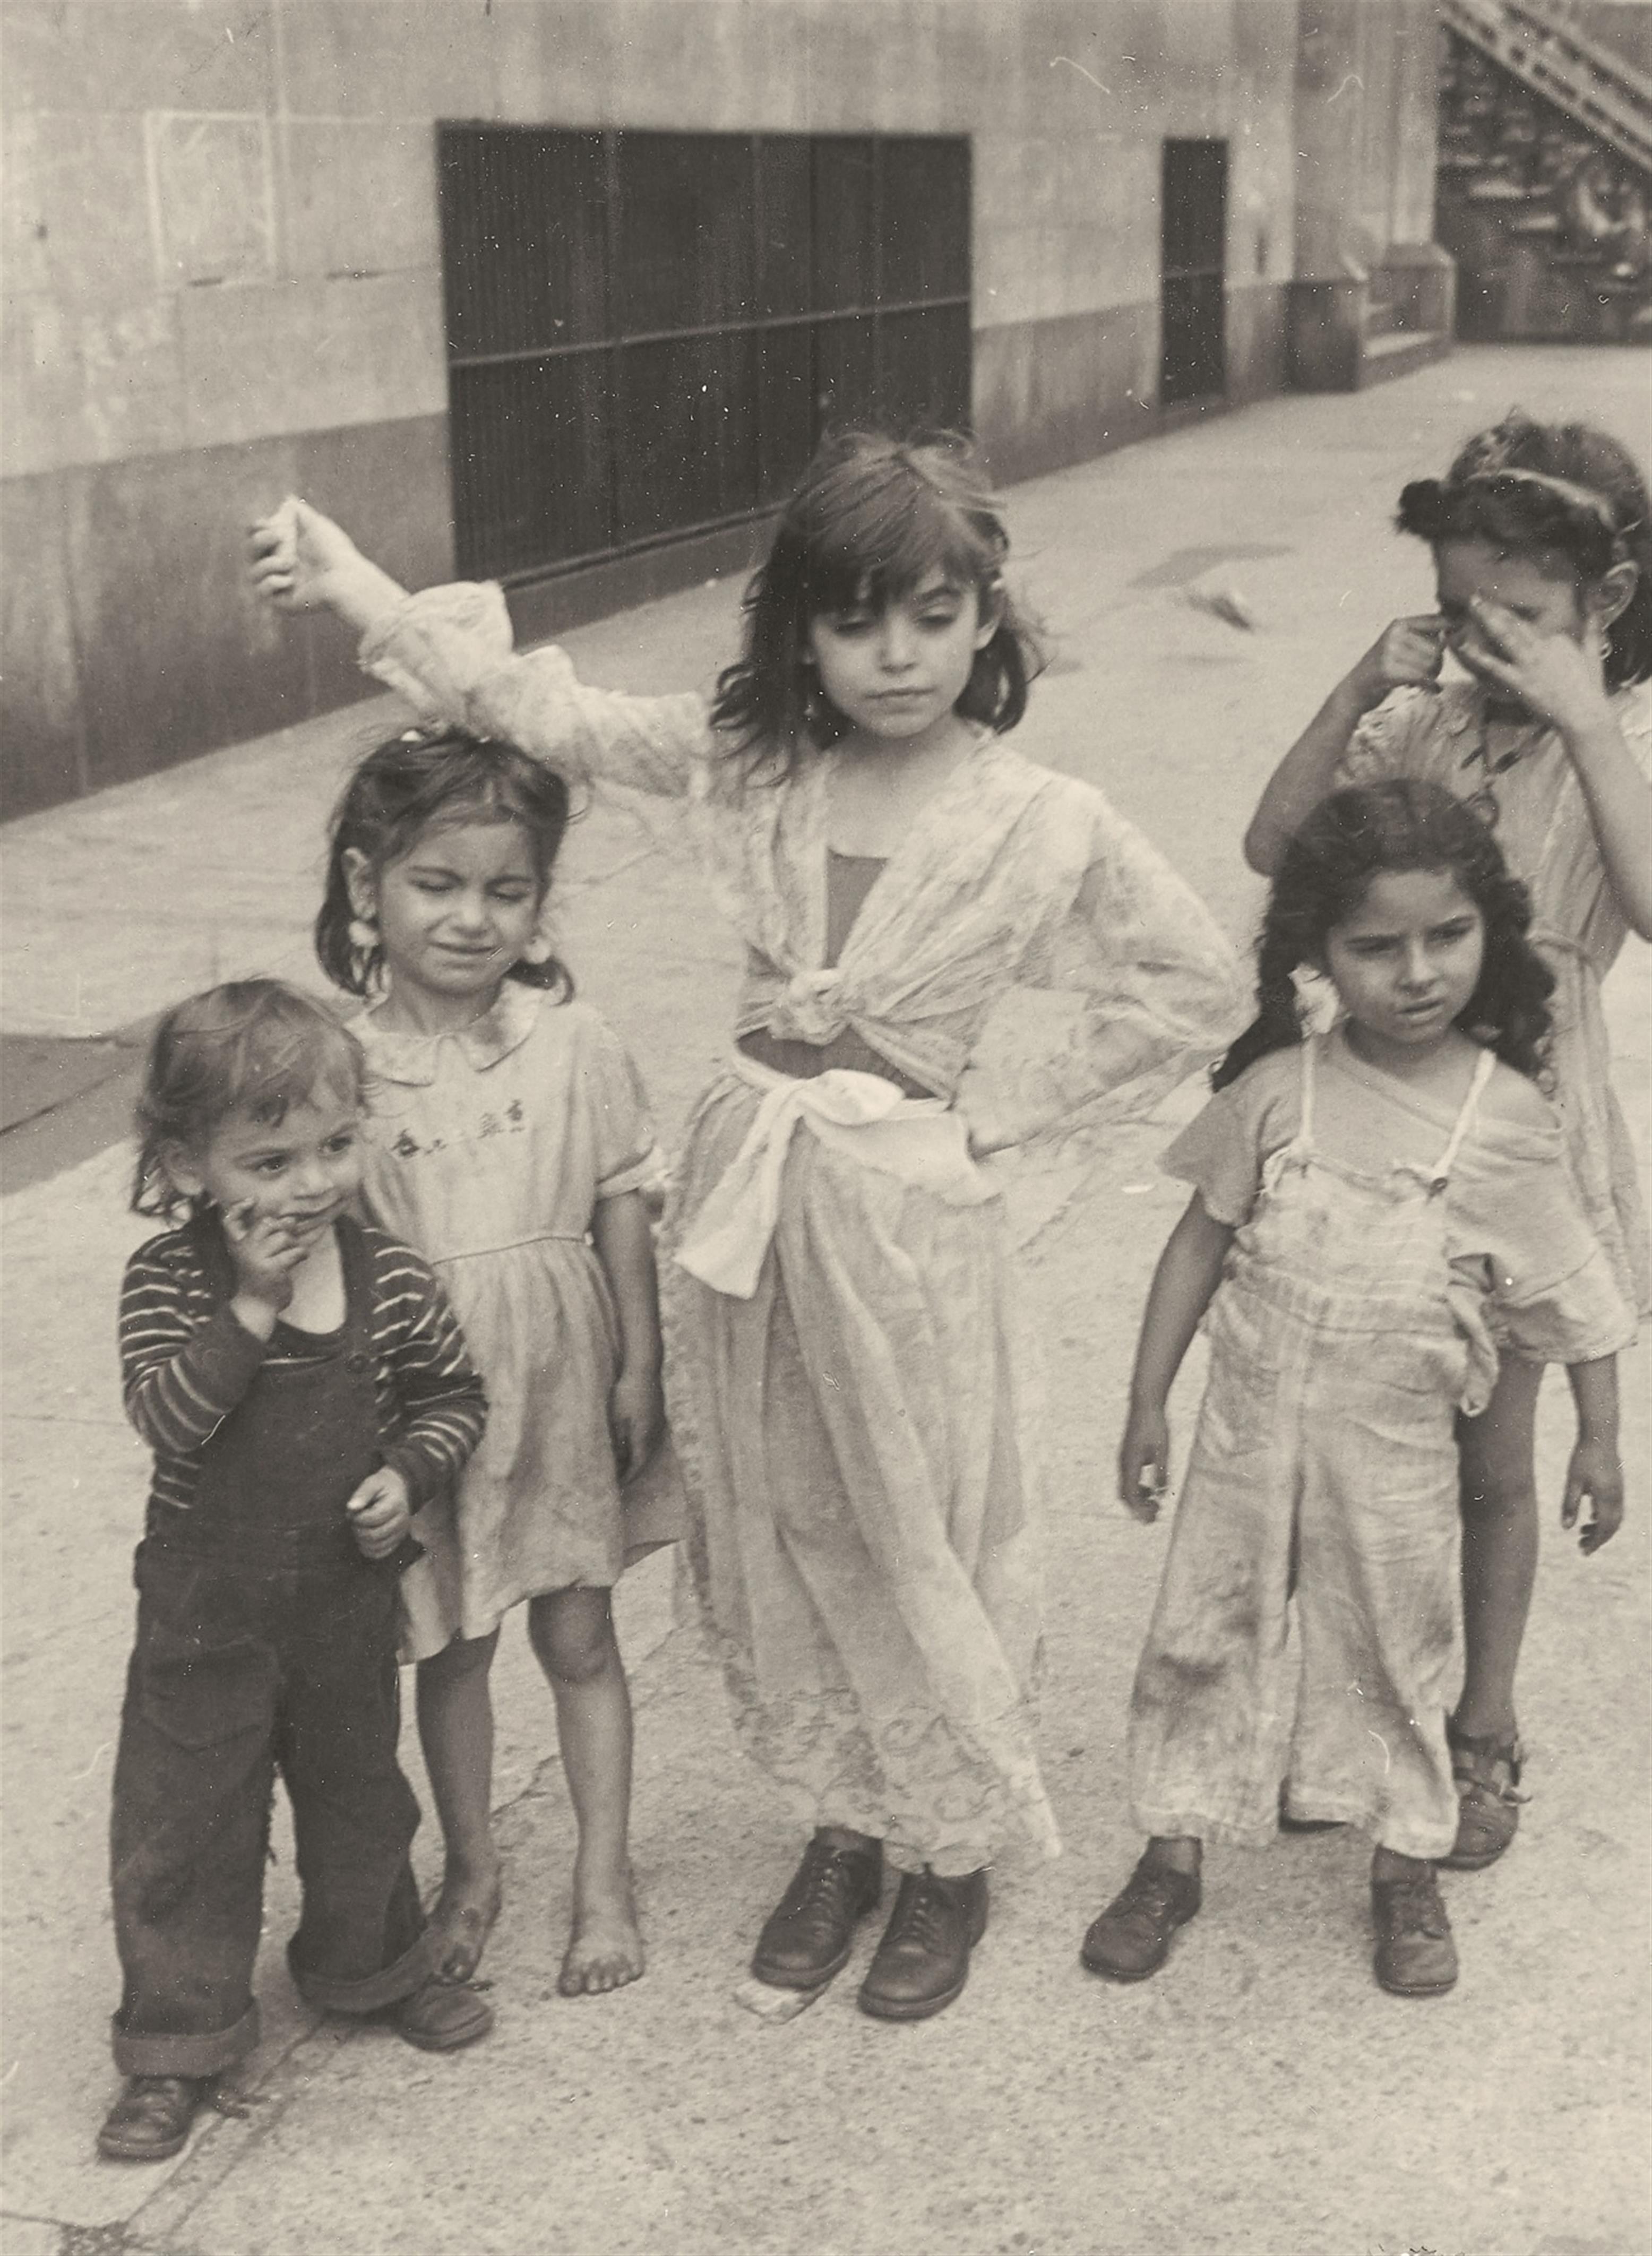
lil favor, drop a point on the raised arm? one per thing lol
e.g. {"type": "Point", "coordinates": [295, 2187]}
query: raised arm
{"type": "Point", "coordinates": [180, 1377]}
{"type": "Point", "coordinates": [302, 561]}
{"type": "Point", "coordinates": [1407, 653]}
{"type": "Point", "coordinates": [448, 651]}
{"type": "Point", "coordinates": [1561, 678]}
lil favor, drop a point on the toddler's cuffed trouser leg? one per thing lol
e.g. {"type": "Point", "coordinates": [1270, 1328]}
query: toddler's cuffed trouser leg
{"type": "Point", "coordinates": [189, 1837]}
{"type": "Point", "coordinates": [360, 1944]}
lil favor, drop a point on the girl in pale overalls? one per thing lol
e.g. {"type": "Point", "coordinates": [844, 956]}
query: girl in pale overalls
{"type": "Point", "coordinates": [1374, 1210]}
{"type": "Point", "coordinates": [1542, 537]}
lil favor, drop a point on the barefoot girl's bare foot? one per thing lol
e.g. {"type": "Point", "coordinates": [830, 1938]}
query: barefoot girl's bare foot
{"type": "Point", "coordinates": [463, 1920]}
{"type": "Point", "coordinates": [605, 1949]}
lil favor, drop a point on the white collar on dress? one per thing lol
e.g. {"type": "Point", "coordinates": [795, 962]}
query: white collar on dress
{"type": "Point", "coordinates": [411, 1059]}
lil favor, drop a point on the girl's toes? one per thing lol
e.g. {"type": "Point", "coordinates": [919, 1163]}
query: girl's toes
{"type": "Point", "coordinates": [603, 1953]}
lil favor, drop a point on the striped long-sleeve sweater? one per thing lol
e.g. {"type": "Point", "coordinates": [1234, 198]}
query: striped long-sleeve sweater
{"type": "Point", "coordinates": [187, 1360]}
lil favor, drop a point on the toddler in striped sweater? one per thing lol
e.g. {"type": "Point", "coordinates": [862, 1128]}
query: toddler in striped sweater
{"type": "Point", "coordinates": [304, 1389]}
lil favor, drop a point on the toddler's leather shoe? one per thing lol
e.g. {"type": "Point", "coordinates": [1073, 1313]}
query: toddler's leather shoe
{"type": "Point", "coordinates": [923, 1960]}
{"type": "Point", "coordinates": [1416, 1956]}
{"type": "Point", "coordinates": [1132, 1938]}
{"type": "Point", "coordinates": [807, 1938]}
{"type": "Point", "coordinates": [442, 2016]}
{"type": "Point", "coordinates": [152, 2118]}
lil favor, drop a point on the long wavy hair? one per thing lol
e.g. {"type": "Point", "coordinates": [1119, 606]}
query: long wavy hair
{"type": "Point", "coordinates": [255, 1047]}
{"type": "Point", "coordinates": [1356, 835]}
{"type": "Point", "coordinates": [870, 518]}
{"type": "Point", "coordinates": [1564, 494]}
{"type": "Point", "coordinates": [399, 791]}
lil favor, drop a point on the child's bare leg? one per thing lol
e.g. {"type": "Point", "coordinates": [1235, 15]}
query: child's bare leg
{"type": "Point", "coordinates": [573, 1634]}
{"type": "Point", "coordinates": [1499, 1497]}
{"type": "Point", "coordinates": [455, 1731]}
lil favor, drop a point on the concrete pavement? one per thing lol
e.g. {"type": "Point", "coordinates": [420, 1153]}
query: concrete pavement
{"type": "Point", "coordinates": [1260, 2096]}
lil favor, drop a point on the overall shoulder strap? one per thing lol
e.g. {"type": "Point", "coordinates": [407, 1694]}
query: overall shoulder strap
{"type": "Point", "coordinates": [355, 1257]}
{"type": "Point", "coordinates": [1305, 1125]}
{"type": "Point", "coordinates": [1484, 1066]}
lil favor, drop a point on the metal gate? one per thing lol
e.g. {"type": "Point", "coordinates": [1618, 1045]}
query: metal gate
{"type": "Point", "coordinates": [1193, 358]}
{"type": "Point", "coordinates": [647, 332]}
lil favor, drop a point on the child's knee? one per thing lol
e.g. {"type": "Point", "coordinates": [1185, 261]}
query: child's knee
{"type": "Point", "coordinates": [573, 1634]}
{"type": "Point", "coordinates": [458, 1660]}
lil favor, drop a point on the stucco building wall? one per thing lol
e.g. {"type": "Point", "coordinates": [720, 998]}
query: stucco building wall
{"type": "Point", "coordinates": [222, 272]}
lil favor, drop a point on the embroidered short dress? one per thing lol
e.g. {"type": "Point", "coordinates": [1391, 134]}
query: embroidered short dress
{"type": "Point", "coordinates": [844, 1379]}
{"type": "Point", "coordinates": [489, 1150]}
{"type": "Point", "coordinates": [1541, 822]}
{"type": "Point", "coordinates": [1373, 1233]}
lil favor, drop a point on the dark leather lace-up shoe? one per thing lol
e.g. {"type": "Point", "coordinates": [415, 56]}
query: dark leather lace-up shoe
{"type": "Point", "coordinates": [1132, 1938]}
{"type": "Point", "coordinates": [923, 1960]}
{"type": "Point", "coordinates": [1416, 1956]}
{"type": "Point", "coordinates": [150, 2119]}
{"type": "Point", "coordinates": [807, 1938]}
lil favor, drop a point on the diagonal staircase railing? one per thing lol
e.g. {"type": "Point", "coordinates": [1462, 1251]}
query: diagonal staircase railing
{"type": "Point", "coordinates": [1537, 43]}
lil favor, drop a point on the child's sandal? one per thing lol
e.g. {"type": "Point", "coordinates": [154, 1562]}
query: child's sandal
{"type": "Point", "coordinates": [1486, 1772]}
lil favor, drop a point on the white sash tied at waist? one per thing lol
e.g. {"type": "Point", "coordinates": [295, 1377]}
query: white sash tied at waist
{"type": "Point", "coordinates": [919, 1139]}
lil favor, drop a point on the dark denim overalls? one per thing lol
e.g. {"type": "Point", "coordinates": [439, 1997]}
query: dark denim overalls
{"type": "Point", "coordinates": [266, 1643]}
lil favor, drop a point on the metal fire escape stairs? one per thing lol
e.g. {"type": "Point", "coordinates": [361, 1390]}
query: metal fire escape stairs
{"type": "Point", "coordinates": [1545, 175]}
{"type": "Point", "coordinates": [1536, 42]}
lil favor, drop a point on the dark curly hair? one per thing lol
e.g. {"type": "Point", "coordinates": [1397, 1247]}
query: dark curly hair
{"type": "Point", "coordinates": [870, 516]}
{"type": "Point", "coordinates": [255, 1046]}
{"type": "Point", "coordinates": [1563, 490]}
{"type": "Point", "coordinates": [1350, 838]}
{"type": "Point", "coordinates": [410, 782]}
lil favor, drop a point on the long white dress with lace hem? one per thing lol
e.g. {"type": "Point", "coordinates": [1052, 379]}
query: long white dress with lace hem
{"type": "Point", "coordinates": [854, 1434]}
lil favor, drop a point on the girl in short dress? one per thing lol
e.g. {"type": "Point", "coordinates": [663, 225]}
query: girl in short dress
{"type": "Point", "coordinates": [841, 1366]}
{"type": "Point", "coordinates": [508, 1140]}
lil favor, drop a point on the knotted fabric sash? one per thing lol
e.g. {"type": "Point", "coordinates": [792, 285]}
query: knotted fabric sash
{"type": "Point", "coordinates": [919, 1139]}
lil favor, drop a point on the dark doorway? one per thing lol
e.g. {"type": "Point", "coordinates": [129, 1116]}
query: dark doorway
{"type": "Point", "coordinates": [1193, 360]}
{"type": "Point", "coordinates": [648, 332]}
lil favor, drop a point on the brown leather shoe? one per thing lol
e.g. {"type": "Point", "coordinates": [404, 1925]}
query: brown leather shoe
{"type": "Point", "coordinates": [1132, 1938]}
{"type": "Point", "coordinates": [1416, 1956]}
{"type": "Point", "coordinates": [152, 2118]}
{"type": "Point", "coordinates": [923, 1960]}
{"type": "Point", "coordinates": [442, 2016]}
{"type": "Point", "coordinates": [807, 1938]}
{"type": "Point", "coordinates": [1486, 1772]}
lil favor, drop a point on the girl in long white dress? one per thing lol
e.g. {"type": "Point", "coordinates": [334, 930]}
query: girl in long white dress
{"type": "Point", "coordinates": [841, 1368]}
